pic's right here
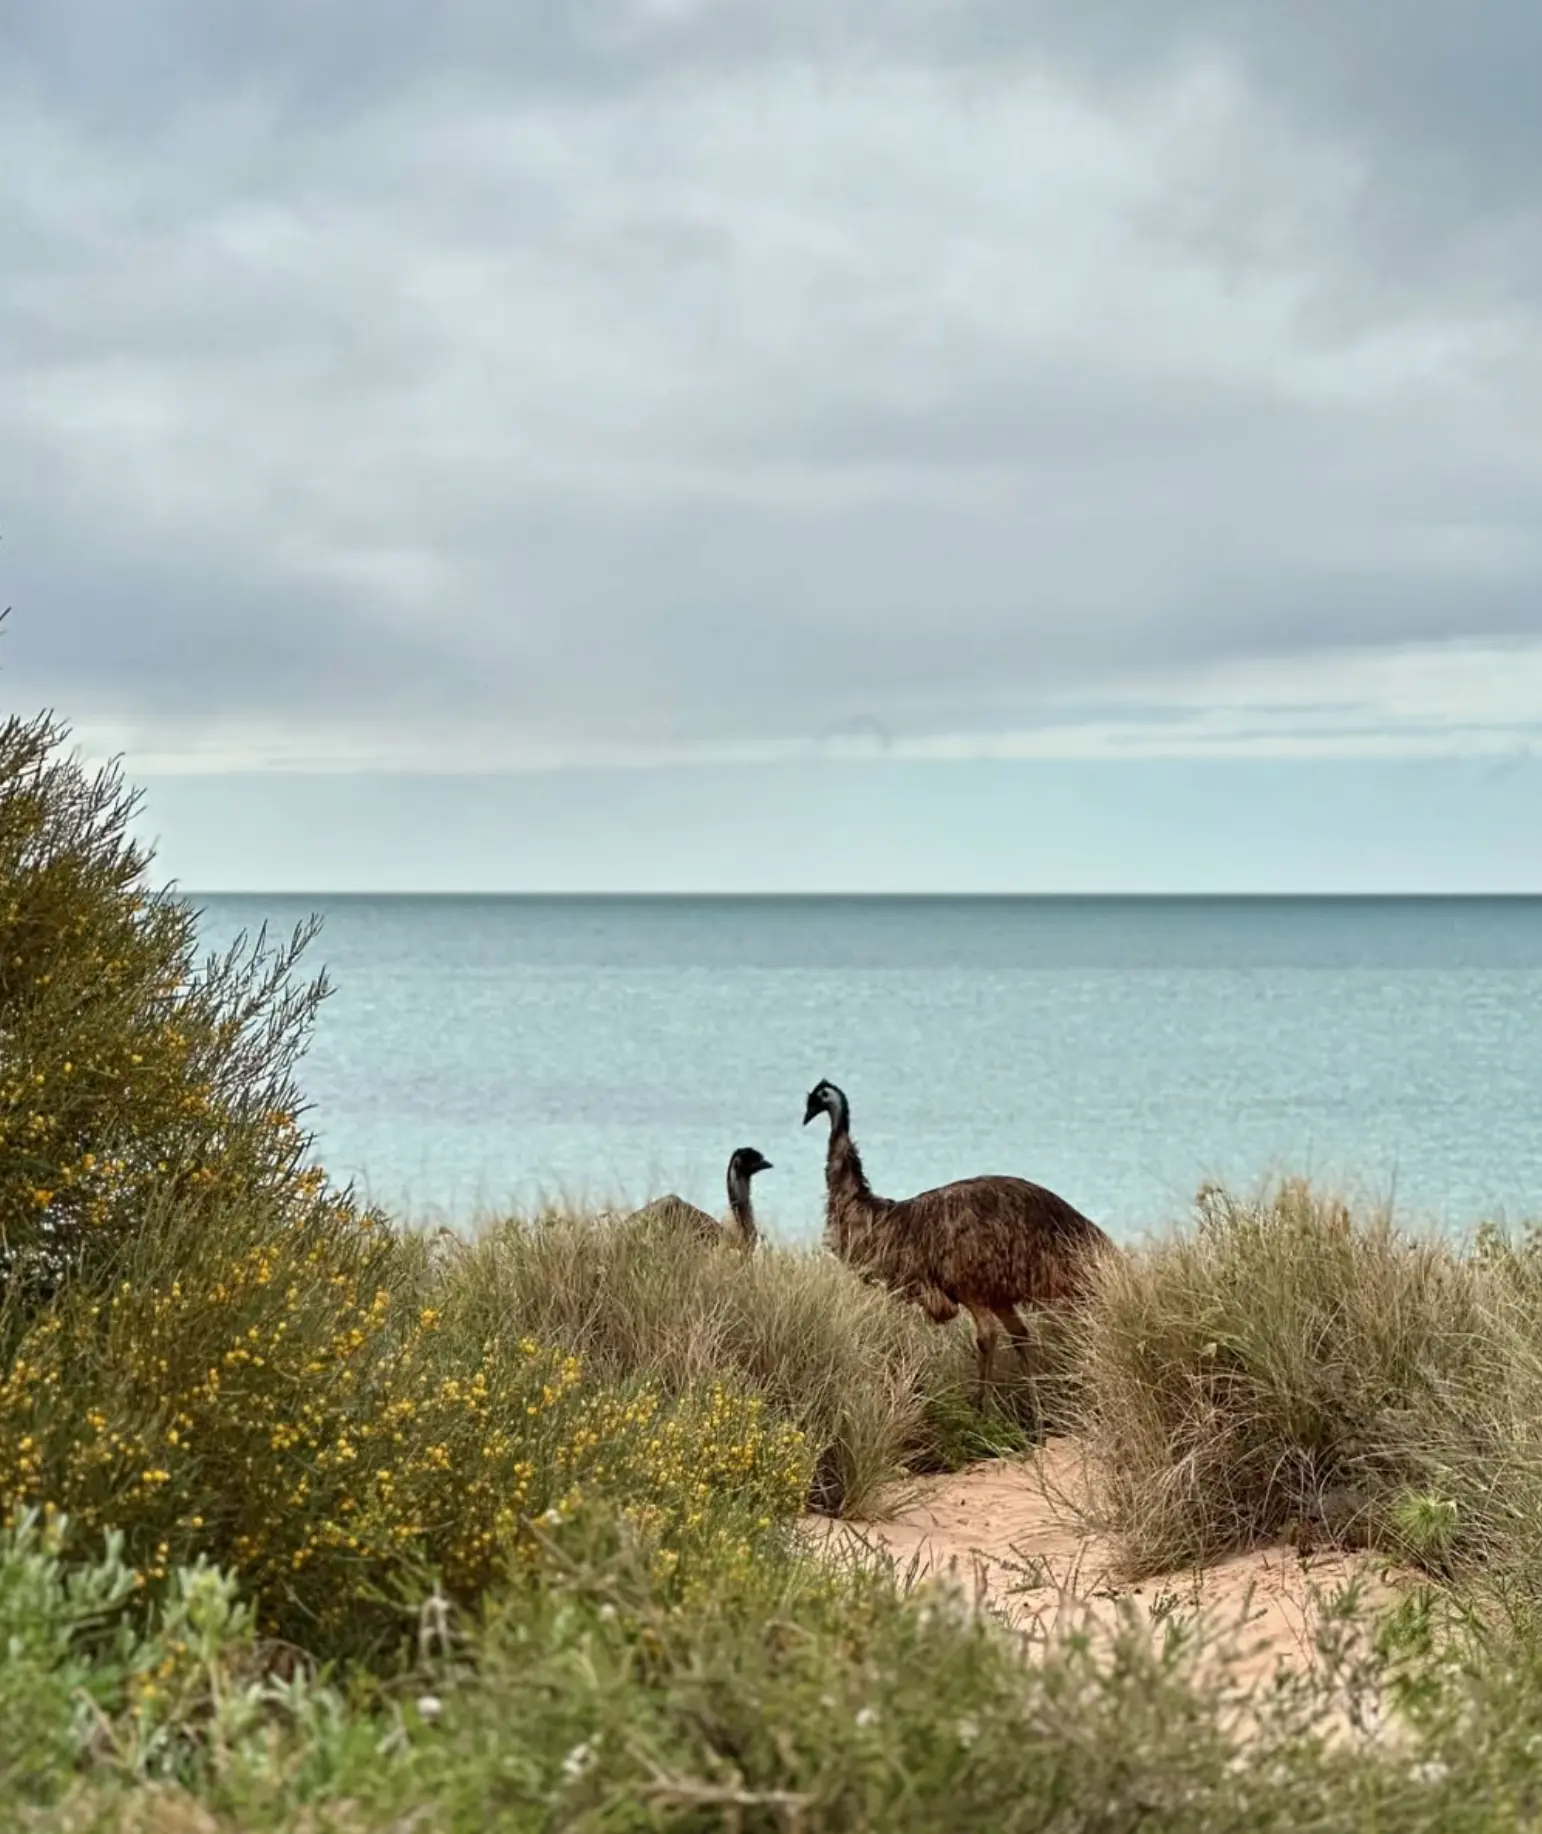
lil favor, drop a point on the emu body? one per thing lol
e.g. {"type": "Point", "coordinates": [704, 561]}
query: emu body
{"type": "Point", "coordinates": [742, 1229]}
{"type": "Point", "coordinates": [989, 1244]}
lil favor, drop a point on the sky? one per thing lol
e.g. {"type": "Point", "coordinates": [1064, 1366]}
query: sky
{"type": "Point", "coordinates": [831, 445]}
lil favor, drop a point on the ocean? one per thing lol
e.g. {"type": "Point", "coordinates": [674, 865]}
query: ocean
{"type": "Point", "coordinates": [481, 1053]}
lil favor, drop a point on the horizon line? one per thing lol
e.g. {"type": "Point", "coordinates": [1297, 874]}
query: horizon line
{"type": "Point", "coordinates": [955, 897]}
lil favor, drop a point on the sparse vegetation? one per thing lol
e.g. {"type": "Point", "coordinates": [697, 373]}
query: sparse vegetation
{"type": "Point", "coordinates": [310, 1523]}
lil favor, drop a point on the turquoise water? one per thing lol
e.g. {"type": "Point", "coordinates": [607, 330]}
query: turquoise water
{"type": "Point", "coordinates": [481, 1051]}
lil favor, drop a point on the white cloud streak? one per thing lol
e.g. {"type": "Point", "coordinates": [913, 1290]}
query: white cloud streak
{"type": "Point", "coordinates": [1434, 702]}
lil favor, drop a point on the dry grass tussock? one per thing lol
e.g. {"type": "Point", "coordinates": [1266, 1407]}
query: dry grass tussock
{"type": "Point", "coordinates": [1292, 1369]}
{"type": "Point", "coordinates": [877, 1390]}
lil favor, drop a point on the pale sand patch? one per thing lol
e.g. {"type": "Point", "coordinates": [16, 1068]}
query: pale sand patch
{"type": "Point", "coordinates": [1009, 1531]}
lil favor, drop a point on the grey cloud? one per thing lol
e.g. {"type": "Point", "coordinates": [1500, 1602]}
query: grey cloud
{"type": "Point", "coordinates": [683, 372]}
{"type": "Point", "coordinates": [310, 56]}
{"type": "Point", "coordinates": [201, 640]}
{"type": "Point", "coordinates": [1433, 101]}
{"type": "Point", "coordinates": [1446, 85]}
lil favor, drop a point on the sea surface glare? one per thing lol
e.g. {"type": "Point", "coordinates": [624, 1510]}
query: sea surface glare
{"type": "Point", "coordinates": [481, 1052]}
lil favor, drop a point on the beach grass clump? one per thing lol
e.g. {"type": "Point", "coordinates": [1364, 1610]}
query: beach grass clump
{"type": "Point", "coordinates": [876, 1390]}
{"type": "Point", "coordinates": [1293, 1368]}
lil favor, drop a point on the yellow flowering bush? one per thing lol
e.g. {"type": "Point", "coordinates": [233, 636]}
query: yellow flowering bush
{"type": "Point", "coordinates": [128, 1072]}
{"type": "Point", "coordinates": [204, 1347]}
{"type": "Point", "coordinates": [290, 1402]}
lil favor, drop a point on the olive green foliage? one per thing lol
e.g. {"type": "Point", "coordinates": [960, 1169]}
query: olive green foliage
{"type": "Point", "coordinates": [90, 1678]}
{"type": "Point", "coordinates": [211, 1353]}
{"type": "Point", "coordinates": [785, 1694]}
{"type": "Point", "coordinates": [131, 1076]}
{"type": "Point", "coordinates": [309, 1404]}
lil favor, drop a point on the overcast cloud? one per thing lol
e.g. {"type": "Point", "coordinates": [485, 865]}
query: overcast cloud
{"type": "Point", "coordinates": [486, 385]}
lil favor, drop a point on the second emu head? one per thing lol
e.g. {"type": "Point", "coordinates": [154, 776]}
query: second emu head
{"type": "Point", "coordinates": [742, 1167]}
{"type": "Point", "coordinates": [745, 1163]}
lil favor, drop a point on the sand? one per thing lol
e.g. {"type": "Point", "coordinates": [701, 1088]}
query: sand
{"type": "Point", "coordinates": [1009, 1530]}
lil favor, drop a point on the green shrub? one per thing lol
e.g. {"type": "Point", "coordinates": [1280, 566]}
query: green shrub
{"type": "Point", "coordinates": [92, 1680]}
{"type": "Point", "coordinates": [301, 1405]}
{"type": "Point", "coordinates": [788, 1692]}
{"type": "Point", "coordinates": [46, 1674]}
{"type": "Point", "coordinates": [129, 1076]}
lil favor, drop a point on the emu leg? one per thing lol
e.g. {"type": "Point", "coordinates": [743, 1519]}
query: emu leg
{"type": "Point", "coordinates": [1022, 1341]}
{"type": "Point", "coordinates": [986, 1330]}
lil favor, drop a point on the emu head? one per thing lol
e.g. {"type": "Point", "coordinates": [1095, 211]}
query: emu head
{"type": "Point", "coordinates": [745, 1163]}
{"type": "Point", "coordinates": [825, 1098]}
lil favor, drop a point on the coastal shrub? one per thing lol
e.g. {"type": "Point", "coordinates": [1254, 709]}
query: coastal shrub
{"type": "Point", "coordinates": [797, 1694]}
{"type": "Point", "coordinates": [298, 1403]}
{"type": "Point", "coordinates": [789, 1694]}
{"type": "Point", "coordinates": [208, 1349]}
{"type": "Point", "coordinates": [129, 1074]}
{"type": "Point", "coordinates": [1291, 1368]}
{"type": "Point", "coordinates": [92, 1679]}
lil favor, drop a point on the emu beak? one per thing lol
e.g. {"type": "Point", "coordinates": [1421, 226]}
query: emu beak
{"type": "Point", "coordinates": [810, 1111]}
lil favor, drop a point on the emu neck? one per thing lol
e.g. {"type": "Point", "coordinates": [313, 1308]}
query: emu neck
{"type": "Point", "coordinates": [851, 1209]}
{"type": "Point", "coordinates": [741, 1209]}
{"type": "Point", "coordinates": [844, 1176]}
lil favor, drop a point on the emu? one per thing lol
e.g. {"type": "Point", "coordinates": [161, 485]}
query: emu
{"type": "Point", "coordinates": [742, 1167]}
{"type": "Point", "coordinates": [987, 1244]}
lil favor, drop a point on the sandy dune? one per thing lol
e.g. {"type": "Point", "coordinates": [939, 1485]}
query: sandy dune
{"type": "Point", "coordinates": [1008, 1529]}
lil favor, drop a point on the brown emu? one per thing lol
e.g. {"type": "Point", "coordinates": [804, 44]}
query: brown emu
{"type": "Point", "coordinates": [742, 1167]}
{"type": "Point", "coordinates": [987, 1244]}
